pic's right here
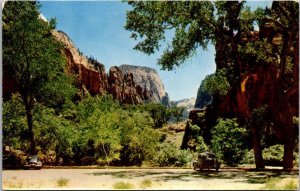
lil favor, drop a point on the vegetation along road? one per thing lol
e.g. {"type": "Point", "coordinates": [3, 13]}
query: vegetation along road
{"type": "Point", "coordinates": [236, 179]}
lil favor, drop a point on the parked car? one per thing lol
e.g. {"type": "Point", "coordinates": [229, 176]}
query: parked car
{"type": "Point", "coordinates": [206, 160]}
{"type": "Point", "coordinates": [33, 162]}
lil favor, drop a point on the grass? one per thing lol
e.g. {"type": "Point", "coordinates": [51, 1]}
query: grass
{"type": "Point", "coordinates": [123, 185]}
{"type": "Point", "coordinates": [146, 183]}
{"type": "Point", "coordinates": [281, 184]}
{"type": "Point", "coordinates": [18, 184]}
{"type": "Point", "coordinates": [62, 182]}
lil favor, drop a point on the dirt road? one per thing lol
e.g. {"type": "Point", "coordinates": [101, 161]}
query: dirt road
{"type": "Point", "coordinates": [97, 179]}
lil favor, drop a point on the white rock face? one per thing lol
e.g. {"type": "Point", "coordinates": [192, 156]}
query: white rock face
{"type": "Point", "coordinates": [188, 104]}
{"type": "Point", "coordinates": [147, 78]}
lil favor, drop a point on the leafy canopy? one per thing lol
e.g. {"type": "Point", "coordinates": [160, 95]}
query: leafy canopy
{"type": "Point", "coordinates": [193, 23]}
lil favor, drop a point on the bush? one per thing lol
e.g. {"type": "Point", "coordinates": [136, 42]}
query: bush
{"type": "Point", "coordinates": [249, 157]}
{"type": "Point", "coordinates": [169, 155]}
{"type": "Point", "coordinates": [229, 141]}
{"type": "Point", "coordinates": [273, 155]}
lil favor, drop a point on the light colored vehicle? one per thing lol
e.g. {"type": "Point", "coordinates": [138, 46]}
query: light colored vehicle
{"type": "Point", "coordinates": [206, 160]}
{"type": "Point", "coordinates": [34, 162]}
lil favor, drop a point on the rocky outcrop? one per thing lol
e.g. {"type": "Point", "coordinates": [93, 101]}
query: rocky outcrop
{"type": "Point", "coordinates": [123, 87]}
{"type": "Point", "coordinates": [91, 76]}
{"type": "Point", "coordinates": [187, 104]}
{"type": "Point", "coordinates": [147, 78]}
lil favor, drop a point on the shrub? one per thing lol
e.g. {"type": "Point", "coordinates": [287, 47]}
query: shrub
{"type": "Point", "coordinates": [123, 185]}
{"type": "Point", "coordinates": [248, 157]}
{"type": "Point", "coordinates": [273, 155]}
{"type": "Point", "coordinates": [170, 155]}
{"type": "Point", "coordinates": [229, 141]}
{"type": "Point", "coordinates": [62, 182]}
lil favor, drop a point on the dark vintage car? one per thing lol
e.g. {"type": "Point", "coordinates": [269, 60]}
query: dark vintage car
{"type": "Point", "coordinates": [33, 162]}
{"type": "Point", "coordinates": [206, 160]}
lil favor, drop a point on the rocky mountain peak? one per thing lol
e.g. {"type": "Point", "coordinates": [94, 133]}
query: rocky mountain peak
{"type": "Point", "coordinates": [147, 78]}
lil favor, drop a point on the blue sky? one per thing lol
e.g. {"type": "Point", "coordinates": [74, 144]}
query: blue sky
{"type": "Point", "coordinates": [97, 29]}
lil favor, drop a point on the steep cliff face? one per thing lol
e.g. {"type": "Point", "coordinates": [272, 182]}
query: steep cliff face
{"type": "Point", "coordinates": [148, 79]}
{"type": "Point", "coordinates": [91, 76]}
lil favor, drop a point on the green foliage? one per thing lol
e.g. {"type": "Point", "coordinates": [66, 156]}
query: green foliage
{"type": "Point", "coordinates": [229, 141]}
{"type": "Point", "coordinates": [201, 145]}
{"type": "Point", "coordinates": [53, 133]}
{"type": "Point", "coordinates": [217, 84]}
{"type": "Point", "coordinates": [191, 21]}
{"type": "Point", "coordinates": [158, 112]}
{"type": "Point", "coordinates": [248, 157]}
{"type": "Point", "coordinates": [14, 123]}
{"type": "Point", "coordinates": [176, 113]}
{"type": "Point", "coordinates": [168, 155]}
{"type": "Point", "coordinates": [273, 155]}
{"type": "Point", "coordinates": [112, 133]}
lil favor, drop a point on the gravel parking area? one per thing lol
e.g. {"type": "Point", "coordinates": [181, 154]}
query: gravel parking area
{"type": "Point", "coordinates": [97, 179]}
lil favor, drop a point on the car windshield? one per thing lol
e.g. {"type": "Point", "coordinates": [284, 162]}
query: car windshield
{"type": "Point", "coordinates": [33, 159]}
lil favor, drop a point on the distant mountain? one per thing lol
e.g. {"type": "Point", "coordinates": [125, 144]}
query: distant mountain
{"type": "Point", "coordinates": [188, 104]}
{"type": "Point", "coordinates": [148, 79]}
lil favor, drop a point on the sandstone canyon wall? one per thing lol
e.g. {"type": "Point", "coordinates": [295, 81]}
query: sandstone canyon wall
{"type": "Point", "coordinates": [92, 78]}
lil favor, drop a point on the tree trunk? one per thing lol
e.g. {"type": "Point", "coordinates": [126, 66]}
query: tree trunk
{"type": "Point", "coordinates": [283, 119]}
{"type": "Point", "coordinates": [28, 109]}
{"type": "Point", "coordinates": [259, 162]}
{"type": "Point", "coordinates": [286, 121]}
{"type": "Point", "coordinates": [288, 151]}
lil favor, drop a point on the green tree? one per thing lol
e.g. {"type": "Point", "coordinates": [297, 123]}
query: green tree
{"type": "Point", "coordinates": [176, 113]}
{"type": "Point", "coordinates": [158, 112]}
{"type": "Point", "coordinates": [99, 133]}
{"type": "Point", "coordinates": [138, 138]}
{"type": "Point", "coordinates": [229, 141]}
{"type": "Point", "coordinates": [32, 57]}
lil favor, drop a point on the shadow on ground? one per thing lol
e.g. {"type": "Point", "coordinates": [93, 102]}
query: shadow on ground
{"type": "Point", "coordinates": [243, 176]}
